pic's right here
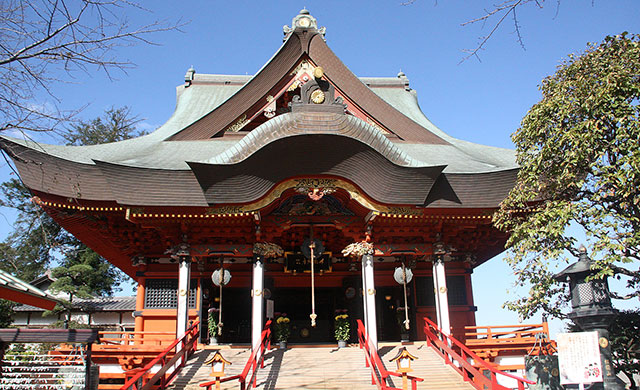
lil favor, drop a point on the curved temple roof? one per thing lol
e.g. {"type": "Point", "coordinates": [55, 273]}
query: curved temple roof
{"type": "Point", "coordinates": [381, 141]}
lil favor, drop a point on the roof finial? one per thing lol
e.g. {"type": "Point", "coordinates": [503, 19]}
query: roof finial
{"type": "Point", "coordinates": [405, 79]}
{"type": "Point", "coordinates": [304, 20]}
{"type": "Point", "coordinates": [189, 76]}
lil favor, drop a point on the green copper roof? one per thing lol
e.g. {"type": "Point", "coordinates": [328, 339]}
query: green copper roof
{"type": "Point", "coordinates": [209, 91]}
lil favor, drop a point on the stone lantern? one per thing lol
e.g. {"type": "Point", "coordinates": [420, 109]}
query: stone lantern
{"type": "Point", "coordinates": [592, 310]}
{"type": "Point", "coordinates": [590, 300]}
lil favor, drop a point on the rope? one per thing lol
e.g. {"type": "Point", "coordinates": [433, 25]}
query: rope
{"type": "Point", "coordinates": [406, 307]}
{"type": "Point", "coordinates": [220, 311]}
{"type": "Point", "coordinates": [313, 315]}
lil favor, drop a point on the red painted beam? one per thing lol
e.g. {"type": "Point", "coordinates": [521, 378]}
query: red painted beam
{"type": "Point", "coordinates": [26, 299]}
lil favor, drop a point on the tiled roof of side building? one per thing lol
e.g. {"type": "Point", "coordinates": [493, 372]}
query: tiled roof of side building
{"type": "Point", "coordinates": [93, 305]}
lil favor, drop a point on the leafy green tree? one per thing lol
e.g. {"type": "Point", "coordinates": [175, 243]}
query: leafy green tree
{"type": "Point", "coordinates": [580, 168]}
{"type": "Point", "coordinates": [624, 334]}
{"type": "Point", "coordinates": [6, 310]}
{"type": "Point", "coordinates": [30, 249]}
{"type": "Point", "coordinates": [84, 274]}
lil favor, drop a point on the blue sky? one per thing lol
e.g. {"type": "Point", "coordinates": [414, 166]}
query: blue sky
{"type": "Point", "coordinates": [479, 101]}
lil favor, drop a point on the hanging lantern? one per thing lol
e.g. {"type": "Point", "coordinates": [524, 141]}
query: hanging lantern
{"type": "Point", "coordinates": [215, 277]}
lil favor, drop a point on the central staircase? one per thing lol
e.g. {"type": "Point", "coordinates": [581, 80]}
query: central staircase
{"type": "Point", "coordinates": [321, 368]}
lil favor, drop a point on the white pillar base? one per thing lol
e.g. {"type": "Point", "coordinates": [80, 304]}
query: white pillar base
{"type": "Point", "coordinates": [442, 299]}
{"type": "Point", "coordinates": [184, 279]}
{"type": "Point", "coordinates": [370, 299]}
{"type": "Point", "coordinates": [257, 311]}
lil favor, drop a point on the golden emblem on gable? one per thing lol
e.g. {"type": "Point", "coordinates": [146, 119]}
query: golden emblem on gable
{"type": "Point", "coordinates": [317, 96]}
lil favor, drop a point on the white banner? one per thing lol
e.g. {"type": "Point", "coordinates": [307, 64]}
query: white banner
{"type": "Point", "coordinates": [579, 358]}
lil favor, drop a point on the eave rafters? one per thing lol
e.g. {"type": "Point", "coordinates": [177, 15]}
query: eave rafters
{"type": "Point", "coordinates": [398, 230]}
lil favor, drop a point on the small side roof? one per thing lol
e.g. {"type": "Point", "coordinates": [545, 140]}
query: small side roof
{"type": "Point", "coordinates": [17, 290]}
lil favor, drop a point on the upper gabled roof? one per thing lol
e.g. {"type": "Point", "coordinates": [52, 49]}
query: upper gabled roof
{"type": "Point", "coordinates": [191, 159]}
{"type": "Point", "coordinates": [305, 43]}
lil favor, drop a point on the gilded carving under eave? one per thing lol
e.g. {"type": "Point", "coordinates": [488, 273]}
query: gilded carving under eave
{"type": "Point", "coordinates": [224, 210]}
{"type": "Point", "coordinates": [238, 125]}
{"type": "Point", "coordinates": [377, 126]}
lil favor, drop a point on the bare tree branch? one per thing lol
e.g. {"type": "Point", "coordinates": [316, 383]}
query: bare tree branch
{"type": "Point", "coordinates": [505, 8]}
{"type": "Point", "coordinates": [615, 295]}
{"type": "Point", "coordinates": [45, 42]}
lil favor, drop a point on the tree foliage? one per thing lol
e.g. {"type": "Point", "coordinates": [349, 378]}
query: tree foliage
{"type": "Point", "coordinates": [580, 168]}
{"type": "Point", "coordinates": [31, 248]}
{"type": "Point", "coordinates": [6, 310]}
{"type": "Point", "coordinates": [115, 125]}
{"type": "Point", "coordinates": [624, 334]}
{"type": "Point", "coordinates": [85, 274]}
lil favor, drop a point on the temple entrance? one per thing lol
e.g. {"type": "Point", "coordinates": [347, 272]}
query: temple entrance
{"type": "Point", "coordinates": [237, 323]}
{"type": "Point", "coordinates": [390, 311]}
{"type": "Point", "coordinates": [296, 303]}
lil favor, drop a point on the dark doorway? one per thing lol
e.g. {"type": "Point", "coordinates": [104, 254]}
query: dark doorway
{"type": "Point", "coordinates": [390, 312]}
{"type": "Point", "coordinates": [236, 312]}
{"type": "Point", "coordinates": [296, 303]}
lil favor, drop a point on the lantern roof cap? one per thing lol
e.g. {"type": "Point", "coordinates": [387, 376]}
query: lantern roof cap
{"type": "Point", "coordinates": [217, 357]}
{"type": "Point", "coordinates": [403, 353]}
{"type": "Point", "coordinates": [583, 265]}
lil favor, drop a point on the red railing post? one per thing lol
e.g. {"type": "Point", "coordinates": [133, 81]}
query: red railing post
{"type": "Point", "coordinates": [379, 373]}
{"type": "Point", "coordinates": [255, 376]}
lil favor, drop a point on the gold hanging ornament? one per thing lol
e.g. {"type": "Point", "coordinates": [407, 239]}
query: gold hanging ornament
{"type": "Point", "coordinates": [402, 275]}
{"type": "Point", "coordinates": [309, 248]}
{"type": "Point", "coordinates": [220, 277]}
{"type": "Point", "coordinates": [313, 314]}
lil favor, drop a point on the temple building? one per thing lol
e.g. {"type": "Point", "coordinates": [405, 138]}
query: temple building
{"type": "Point", "coordinates": [312, 188]}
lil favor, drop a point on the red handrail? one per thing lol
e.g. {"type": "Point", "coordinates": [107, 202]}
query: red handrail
{"type": "Point", "coordinates": [139, 381]}
{"type": "Point", "coordinates": [255, 361]}
{"type": "Point", "coordinates": [379, 373]}
{"type": "Point", "coordinates": [453, 350]}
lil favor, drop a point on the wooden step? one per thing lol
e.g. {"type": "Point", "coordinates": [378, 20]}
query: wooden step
{"type": "Point", "coordinates": [322, 368]}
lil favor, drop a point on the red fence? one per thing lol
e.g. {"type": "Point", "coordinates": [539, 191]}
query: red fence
{"type": "Point", "coordinates": [379, 374]}
{"type": "Point", "coordinates": [138, 379]}
{"type": "Point", "coordinates": [255, 361]}
{"type": "Point", "coordinates": [458, 355]}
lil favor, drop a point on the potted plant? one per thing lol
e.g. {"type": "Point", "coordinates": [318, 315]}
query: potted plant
{"type": "Point", "coordinates": [281, 330]}
{"type": "Point", "coordinates": [400, 318]}
{"type": "Point", "coordinates": [342, 328]}
{"type": "Point", "coordinates": [212, 325]}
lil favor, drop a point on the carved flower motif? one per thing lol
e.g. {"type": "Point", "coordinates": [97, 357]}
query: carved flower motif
{"type": "Point", "coordinates": [267, 249]}
{"type": "Point", "coordinates": [358, 249]}
{"type": "Point", "coordinates": [317, 96]}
